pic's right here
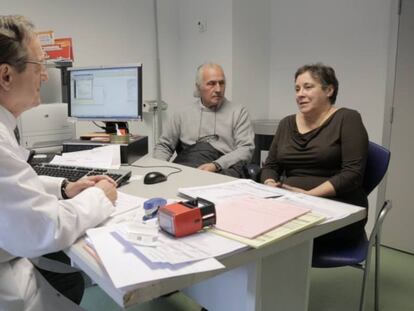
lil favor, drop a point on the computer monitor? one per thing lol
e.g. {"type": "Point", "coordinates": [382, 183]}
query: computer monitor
{"type": "Point", "coordinates": [112, 94]}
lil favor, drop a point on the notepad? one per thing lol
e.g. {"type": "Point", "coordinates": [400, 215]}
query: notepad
{"type": "Point", "coordinates": [250, 217]}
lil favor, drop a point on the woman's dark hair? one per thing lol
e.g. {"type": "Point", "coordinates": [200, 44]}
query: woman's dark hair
{"type": "Point", "coordinates": [15, 33]}
{"type": "Point", "coordinates": [324, 74]}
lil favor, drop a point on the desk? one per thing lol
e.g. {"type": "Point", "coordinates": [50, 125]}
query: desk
{"type": "Point", "coordinates": [275, 276]}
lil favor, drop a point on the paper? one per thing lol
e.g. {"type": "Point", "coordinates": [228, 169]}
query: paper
{"type": "Point", "coordinates": [108, 157]}
{"type": "Point", "coordinates": [295, 225]}
{"type": "Point", "coordinates": [172, 250]}
{"type": "Point", "coordinates": [331, 209]}
{"type": "Point", "coordinates": [233, 189]}
{"type": "Point", "coordinates": [195, 247]}
{"type": "Point", "coordinates": [126, 266]}
{"type": "Point", "coordinates": [249, 216]}
{"type": "Point", "coordinates": [127, 202]}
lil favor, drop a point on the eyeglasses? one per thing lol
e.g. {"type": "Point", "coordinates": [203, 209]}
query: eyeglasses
{"type": "Point", "coordinates": [42, 63]}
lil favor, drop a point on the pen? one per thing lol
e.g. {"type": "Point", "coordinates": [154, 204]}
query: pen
{"type": "Point", "coordinates": [274, 197]}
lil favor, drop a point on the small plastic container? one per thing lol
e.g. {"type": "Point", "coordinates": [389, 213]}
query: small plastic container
{"type": "Point", "coordinates": [139, 234]}
{"type": "Point", "coordinates": [119, 139]}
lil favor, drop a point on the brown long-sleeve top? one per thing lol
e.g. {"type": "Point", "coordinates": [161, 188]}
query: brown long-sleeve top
{"type": "Point", "coordinates": [335, 152]}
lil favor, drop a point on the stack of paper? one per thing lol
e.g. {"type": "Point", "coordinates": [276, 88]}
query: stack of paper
{"type": "Point", "coordinates": [240, 230]}
{"type": "Point", "coordinates": [108, 157]}
{"type": "Point", "coordinates": [128, 264]}
{"type": "Point", "coordinates": [250, 217]}
{"type": "Point", "coordinates": [293, 226]}
{"type": "Point", "coordinates": [232, 189]}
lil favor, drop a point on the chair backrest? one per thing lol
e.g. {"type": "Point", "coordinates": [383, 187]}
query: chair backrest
{"type": "Point", "coordinates": [377, 165]}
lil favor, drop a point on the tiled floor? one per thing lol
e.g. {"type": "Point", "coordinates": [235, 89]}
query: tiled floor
{"type": "Point", "coordinates": [331, 290]}
{"type": "Point", "coordinates": [338, 289]}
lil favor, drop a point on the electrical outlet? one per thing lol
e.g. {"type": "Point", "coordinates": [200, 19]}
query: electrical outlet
{"type": "Point", "coordinates": [152, 105]}
{"type": "Point", "coordinates": [149, 105]}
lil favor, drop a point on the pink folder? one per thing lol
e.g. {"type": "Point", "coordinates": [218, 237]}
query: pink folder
{"type": "Point", "coordinates": [250, 216]}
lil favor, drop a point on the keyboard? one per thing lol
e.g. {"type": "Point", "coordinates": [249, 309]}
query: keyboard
{"type": "Point", "coordinates": [73, 173]}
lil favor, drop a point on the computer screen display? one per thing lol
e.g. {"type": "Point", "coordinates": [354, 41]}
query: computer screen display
{"type": "Point", "coordinates": [105, 93]}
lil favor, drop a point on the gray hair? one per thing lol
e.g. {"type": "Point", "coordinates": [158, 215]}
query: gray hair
{"type": "Point", "coordinates": [15, 33]}
{"type": "Point", "coordinates": [199, 76]}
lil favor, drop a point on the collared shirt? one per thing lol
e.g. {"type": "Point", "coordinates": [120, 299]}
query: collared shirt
{"type": "Point", "coordinates": [33, 220]}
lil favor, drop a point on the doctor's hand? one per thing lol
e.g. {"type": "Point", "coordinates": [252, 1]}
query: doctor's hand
{"type": "Point", "coordinates": [109, 189]}
{"type": "Point", "coordinates": [74, 188]}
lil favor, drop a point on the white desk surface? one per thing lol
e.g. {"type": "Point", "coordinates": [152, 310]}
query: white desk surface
{"type": "Point", "coordinates": [254, 279]}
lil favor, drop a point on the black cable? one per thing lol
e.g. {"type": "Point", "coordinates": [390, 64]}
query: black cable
{"type": "Point", "coordinates": [178, 170]}
{"type": "Point", "coordinates": [101, 127]}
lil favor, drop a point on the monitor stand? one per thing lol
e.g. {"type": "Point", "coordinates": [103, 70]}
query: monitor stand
{"type": "Point", "coordinates": [111, 127]}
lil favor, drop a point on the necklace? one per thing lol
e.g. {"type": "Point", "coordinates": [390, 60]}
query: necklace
{"type": "Point", "coordinates": [325, 116]}
{"type": "Point", "coordinates": [305, 125]}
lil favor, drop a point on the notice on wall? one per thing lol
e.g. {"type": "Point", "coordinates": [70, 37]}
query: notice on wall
{"type": "Point", "coordinates": [56, 48]}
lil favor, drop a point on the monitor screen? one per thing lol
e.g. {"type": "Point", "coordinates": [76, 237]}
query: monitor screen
{"type": "Point", "coordinates": [105, 93]}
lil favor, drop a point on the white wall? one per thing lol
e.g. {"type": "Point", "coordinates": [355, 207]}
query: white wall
{"type": "Point", "coordinates": [251, 56]}
{"type": "Point", "coordinates": [169, 34]}
{"type": "Point", "coordinates": [103, 32]}
{"type": "Point", "coordinates": [195, 48]}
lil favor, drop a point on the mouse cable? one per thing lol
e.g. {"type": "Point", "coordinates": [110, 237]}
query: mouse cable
{"type": "Point", "coordinates": [178, 170]}
{"type": "Point", "coordinates": [101, 127]}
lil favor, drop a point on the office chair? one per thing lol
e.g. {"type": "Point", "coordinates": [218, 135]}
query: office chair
{"type": "Point", "coordinates": [359, 256]}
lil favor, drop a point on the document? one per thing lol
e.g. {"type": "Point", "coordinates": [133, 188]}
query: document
{"type": "Point", "coordinates": [232, 189]}
{"type": "Point", "coordinates": [195, 247]}
{"type": "Point", "coordinates": [291, 227]}
{"type": "Point", "coordinates": [126, 266]}
{"type": "Point", "coordinates": [108, 157]}
{"type": "Point", "coordinates": [332, 210]}
{"type": "Point", "coordinates": [126, 202]}
{"type": "Point", "coordinates": [250, 216]}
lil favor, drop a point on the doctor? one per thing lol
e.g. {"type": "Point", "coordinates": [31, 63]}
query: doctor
{"type": "Point", "coordinates": [34, 220]}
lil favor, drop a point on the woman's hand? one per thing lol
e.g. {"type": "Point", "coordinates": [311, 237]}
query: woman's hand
{"type": "Point", "coordinates": [74, 188]}
{"type": "Point", "coordinates": [294, 189]}
{"type": "Point", "coordinates": [271, 182]}
{"type": "Point", "coordinates": [323, 190]}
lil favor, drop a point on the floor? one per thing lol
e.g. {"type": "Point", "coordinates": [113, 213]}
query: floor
{"type": "Point", "coordinates": [331, 290]}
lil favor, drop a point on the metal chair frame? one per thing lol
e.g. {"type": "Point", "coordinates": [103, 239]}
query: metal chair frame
{"type": "Point", "coordinates": [377, 165]}
{"type": "Point", "coordinates": [374, 239]}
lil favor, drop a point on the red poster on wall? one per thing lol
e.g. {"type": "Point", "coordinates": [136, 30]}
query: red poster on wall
{"type": "Point", "coordinates": [61, 49]}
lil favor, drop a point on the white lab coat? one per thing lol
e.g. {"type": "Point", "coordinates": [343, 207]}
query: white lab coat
{"type": "Point", "coordinates": [34, 222]}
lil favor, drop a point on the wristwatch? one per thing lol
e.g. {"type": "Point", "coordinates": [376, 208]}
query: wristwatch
{"type": "Point", "coordinates": [63, 186]}
{"type": "Point", "coordinates": [218, 166]}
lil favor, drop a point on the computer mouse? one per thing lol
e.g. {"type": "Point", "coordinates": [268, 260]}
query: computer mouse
{"type": "Point", "coordinates": [154, 177]}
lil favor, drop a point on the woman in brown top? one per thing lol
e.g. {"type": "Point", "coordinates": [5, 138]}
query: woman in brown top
{"type": "Point", "coordinates": [321, 150]}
